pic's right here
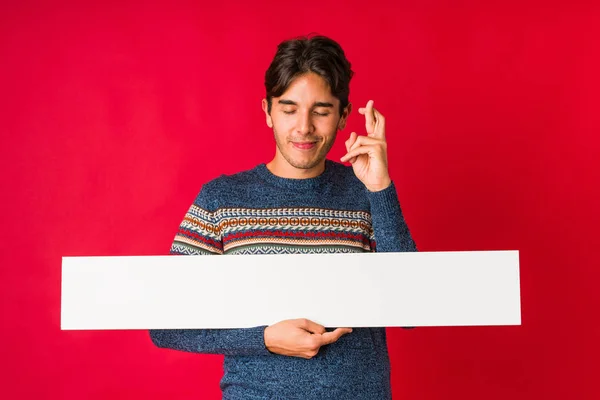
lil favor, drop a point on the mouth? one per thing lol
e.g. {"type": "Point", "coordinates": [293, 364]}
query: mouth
{"type": "Point", "coordinates": [304, 145]}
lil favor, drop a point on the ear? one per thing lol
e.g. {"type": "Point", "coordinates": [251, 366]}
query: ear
{"type": "Point", "coordinates": [344, 117]}
{"type": "Point", "coordinates": [265, 107]}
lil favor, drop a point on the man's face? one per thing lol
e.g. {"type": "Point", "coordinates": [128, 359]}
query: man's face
{"type": "Point", "coordinates": [305, 120]}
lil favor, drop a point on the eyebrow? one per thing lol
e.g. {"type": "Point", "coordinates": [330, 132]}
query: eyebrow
{"type": "Point", "coordinates": [316, 104]}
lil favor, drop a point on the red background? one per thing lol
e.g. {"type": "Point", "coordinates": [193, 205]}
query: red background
{"type": "Point", "coordinates": [114, 115]}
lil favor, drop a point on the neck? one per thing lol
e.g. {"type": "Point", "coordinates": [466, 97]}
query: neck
{"type": "Point", "coordinates": [283, 169]}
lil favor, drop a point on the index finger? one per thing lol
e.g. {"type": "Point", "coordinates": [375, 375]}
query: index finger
{"type": "Point", "coordinates": [331, 337]}
{"type": "Point", "coordinates": [311, 326]}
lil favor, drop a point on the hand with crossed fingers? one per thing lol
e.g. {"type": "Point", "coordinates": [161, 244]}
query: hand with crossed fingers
{"type": "Point", "coordinates": [368, 154]}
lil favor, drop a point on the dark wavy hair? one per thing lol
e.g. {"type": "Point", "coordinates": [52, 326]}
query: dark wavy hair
{"type": "Point", "coordinates": [318, 54]}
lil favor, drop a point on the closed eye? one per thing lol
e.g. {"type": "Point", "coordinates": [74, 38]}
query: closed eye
{"type": "Point", "coordinates": [316, 113]}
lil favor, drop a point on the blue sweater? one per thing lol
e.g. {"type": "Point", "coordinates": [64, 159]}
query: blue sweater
{"type": "Point", "coordinates": [256, 212]}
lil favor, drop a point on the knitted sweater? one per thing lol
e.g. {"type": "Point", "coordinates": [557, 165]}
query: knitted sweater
{"type": "Point", "coordinates": [256, 212]}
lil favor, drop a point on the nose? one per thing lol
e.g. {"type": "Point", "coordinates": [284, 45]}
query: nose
{"type": "Point", "coordinates": [304, 125]}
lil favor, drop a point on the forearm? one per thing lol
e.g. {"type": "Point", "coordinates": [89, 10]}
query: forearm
{"type": "Point", "coordinates": [390, 229]}
{"type": "Point", "coordinates": [248, 341]}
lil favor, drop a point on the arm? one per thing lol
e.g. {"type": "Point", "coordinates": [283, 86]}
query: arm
{"type": "Point", "coordinates": [199, 234]}
{"type": "Point", "coordinates": [368, 156]}
{"type": "Point", "coordinates": [390, 231]}
{"type": "Point", "coordinates": [212, 341]}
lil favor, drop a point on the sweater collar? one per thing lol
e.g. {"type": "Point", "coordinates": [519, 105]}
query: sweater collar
{"type": "Point", "coordinates": [292, 183]}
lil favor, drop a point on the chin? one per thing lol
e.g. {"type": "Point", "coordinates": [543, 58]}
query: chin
{"type": "Point", "coordinates": [305, 164]}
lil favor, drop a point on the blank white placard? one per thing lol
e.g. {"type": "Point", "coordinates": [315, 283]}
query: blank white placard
{"type": "Point", "coordinates": [240, 291]}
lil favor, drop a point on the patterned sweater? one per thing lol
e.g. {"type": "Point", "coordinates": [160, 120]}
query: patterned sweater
{"type": "Point", "coordinates": [256, 212]}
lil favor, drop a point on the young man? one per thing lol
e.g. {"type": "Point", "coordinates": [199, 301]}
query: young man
{"type": "Point", "coordinates": [300, 202]}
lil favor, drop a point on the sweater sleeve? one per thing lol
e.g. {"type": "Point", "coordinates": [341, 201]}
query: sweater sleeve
{"type": "Point", "coordinates": [391, 234]}
{"type": "Point", "coordinates": [200, 234]}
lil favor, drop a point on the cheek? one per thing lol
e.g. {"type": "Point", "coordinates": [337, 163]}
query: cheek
{"type": "Point", "coordinates": [283, 125]}
{"type": "Point", "coordinates": [327, 127]}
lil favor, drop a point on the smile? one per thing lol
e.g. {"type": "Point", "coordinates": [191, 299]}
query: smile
{"type": "Point", "coordinates": [304, 146]}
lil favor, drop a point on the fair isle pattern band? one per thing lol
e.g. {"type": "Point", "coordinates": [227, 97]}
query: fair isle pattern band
{"type": "Point", "coordinates": [273, 231]}
{"type": "Point", "coordinates": [277, 249]}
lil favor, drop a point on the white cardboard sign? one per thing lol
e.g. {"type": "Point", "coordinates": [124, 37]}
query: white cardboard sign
{"type": "Point", "coordinates": [335, 290]}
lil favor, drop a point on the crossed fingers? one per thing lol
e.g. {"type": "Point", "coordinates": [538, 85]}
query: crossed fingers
{"type": "Point", "coordinates": [373, 142]}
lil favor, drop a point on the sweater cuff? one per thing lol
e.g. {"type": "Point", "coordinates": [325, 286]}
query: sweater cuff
{"type": "Point", "coordinates": [256, 340]}
{"type": "Point", "coordinates": [384, 202]}
{"type": "Point", "coordinates": [389, 228]}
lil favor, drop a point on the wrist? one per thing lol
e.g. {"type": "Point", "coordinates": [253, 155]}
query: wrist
{"type": "Point", "coordinates": [267, 338]}
{"type": "Point", "coordinates": [379, 187]}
